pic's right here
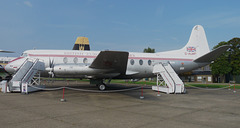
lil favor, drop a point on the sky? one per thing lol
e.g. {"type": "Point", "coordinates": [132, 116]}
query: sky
{"type": "Point", "coordinates": [122, 25]}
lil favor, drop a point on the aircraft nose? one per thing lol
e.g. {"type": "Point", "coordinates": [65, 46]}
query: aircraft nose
{"type": "Point", "coordinates": [9, 68]}
{"type": "Point", "coordinates": [12, 66]}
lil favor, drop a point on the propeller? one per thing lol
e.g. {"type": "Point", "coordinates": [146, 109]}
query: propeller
{"type": "Point", "coordinates": [51, 67]}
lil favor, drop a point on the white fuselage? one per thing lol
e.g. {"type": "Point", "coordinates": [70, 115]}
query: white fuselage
{"type": "Point", "coordinates": [75, 64]}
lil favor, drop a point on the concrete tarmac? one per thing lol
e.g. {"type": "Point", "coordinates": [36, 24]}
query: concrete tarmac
{"type": "Point", "coordinates": [196, 109]}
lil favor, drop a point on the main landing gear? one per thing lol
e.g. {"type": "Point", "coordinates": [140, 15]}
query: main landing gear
{"type": "Point", "coordinates": [99, 83]}
{"type": "Point", "coordinates": [101, 87]}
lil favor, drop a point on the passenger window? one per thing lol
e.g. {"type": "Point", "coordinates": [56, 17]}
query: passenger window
{"type": "Point", "coordinates": [75, 60]}
{"type": "Point", "coordinates": [132, 62]}
{"type": "Point", "coordinates": [149, 62]}
{"type": "Point", "coordinates": [141, 62]}
{"type": "Point", "coordinates": [65, 60]}
{"type": "Point", "coordinates": [85, 60]}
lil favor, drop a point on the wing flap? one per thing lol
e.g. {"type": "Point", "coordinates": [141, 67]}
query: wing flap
{"type": "Point", "coordinates": [213, 54]}
{"type": "Point", "coordinates": [116, 61]}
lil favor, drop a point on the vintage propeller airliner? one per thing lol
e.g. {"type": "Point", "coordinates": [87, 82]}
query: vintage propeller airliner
{"type": "Point", "coordinates": [100, 65]}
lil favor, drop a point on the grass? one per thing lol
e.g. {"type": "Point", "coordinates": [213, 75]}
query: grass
{"type": "Point", "coordinates": [214, 85]}
{"type": "Point", "coordinates": [211, 85]}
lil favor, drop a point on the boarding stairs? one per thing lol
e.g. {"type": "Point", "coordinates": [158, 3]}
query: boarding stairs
{"type": "Point", "coordinates": [167, 79]}
{"type": "Point", "coordinates": [25, 74]}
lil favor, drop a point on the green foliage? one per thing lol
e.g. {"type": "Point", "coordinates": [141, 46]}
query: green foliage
{"type": "Point", "coordinates": [229, 61]}
{"type": "Point", "coordinates": [149, 50]}
{"type": "Point", "coordinates": [235, 55]}
{"type": "Point", "coordinates": [221, 66]}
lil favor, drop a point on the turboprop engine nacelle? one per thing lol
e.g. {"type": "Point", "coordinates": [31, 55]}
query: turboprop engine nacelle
{"type": "Point", "coordinates": [75, 69]}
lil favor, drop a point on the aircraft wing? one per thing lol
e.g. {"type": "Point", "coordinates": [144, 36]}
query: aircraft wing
{"type": "Point", "coordinates": [6, 51]}
{"type": "Point", "coordinates": [213, 54]}
{"type": "Point", "coordinates": [115, 61]}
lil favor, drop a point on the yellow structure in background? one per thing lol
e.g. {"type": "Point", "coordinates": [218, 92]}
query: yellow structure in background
{"type": "Point", "coordinates": [82, 43]}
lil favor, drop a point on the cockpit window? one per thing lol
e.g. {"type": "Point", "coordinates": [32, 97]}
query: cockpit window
{"type": "Point", "coordinates": [24, 55]}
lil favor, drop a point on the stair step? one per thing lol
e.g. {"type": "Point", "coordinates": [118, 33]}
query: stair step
{"type": "Point", "coordinates": [25, 74]}
{"type": "Point", "coordinates": [172, 80]}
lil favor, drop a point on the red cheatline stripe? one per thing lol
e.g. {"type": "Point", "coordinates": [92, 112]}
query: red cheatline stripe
{"type": "Point", "coordinates": [143, 58]}
{"type": "Point", "coordinates": [13, 60]}
{"type": "Point", "coordinates": [16, 59]}
{"type": "Point", "coordinates": [62, 56]}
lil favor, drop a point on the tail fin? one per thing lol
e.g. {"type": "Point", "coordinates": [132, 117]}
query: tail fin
{"type": "Point", "coordinates": [81, 43]}
{"type": "Point", "coordinates": [197, 44]}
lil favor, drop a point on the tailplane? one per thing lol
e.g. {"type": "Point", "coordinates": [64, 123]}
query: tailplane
{"type": "Point", "coordinates": [82, 43]}
{"type": "Point", "coordinates": [211, 56]}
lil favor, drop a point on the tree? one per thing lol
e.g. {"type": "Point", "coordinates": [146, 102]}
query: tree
{"type": "Point", "coordinates": [220, 67]}
{"type": "Point", "coordinates": [149, 50]}
{"type": "Point", "coordinates": [235, 55]}
{"type": "Point", "coordinates": [229, 61]}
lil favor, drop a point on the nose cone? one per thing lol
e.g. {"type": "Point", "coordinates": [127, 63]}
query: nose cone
{"type": "Point", "coordinates": [9, 68]}
{"type": "Point", "coordinates": [14, 65]}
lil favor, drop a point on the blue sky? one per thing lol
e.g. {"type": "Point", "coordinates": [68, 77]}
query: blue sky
{"type": "Point", "coordinates": [125, 25]}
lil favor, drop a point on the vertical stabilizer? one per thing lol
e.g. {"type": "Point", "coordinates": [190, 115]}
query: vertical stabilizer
{"type": "Point", "coordinates": [197, 44]}
{"type": "Point", "coordinates": [82, 43]}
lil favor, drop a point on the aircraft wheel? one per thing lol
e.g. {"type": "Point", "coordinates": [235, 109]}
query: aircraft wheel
{"type": "Point", "coordinates": [185, 91]}
{"type": "Point", "coordinates": [8, 78]}
{"type": "Point", "coordinates": [102, 87]}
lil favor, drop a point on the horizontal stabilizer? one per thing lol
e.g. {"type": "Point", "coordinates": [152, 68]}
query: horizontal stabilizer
{"type": "Point", "coordinates": [113, 60]}
{"type": "Point", "coordinates": [213, 54]}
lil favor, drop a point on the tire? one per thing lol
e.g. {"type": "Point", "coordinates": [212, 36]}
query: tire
{"type": "Point", "coordinates": [101, 87]}
{"type": "Point", "coordinates": [8, 78]}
